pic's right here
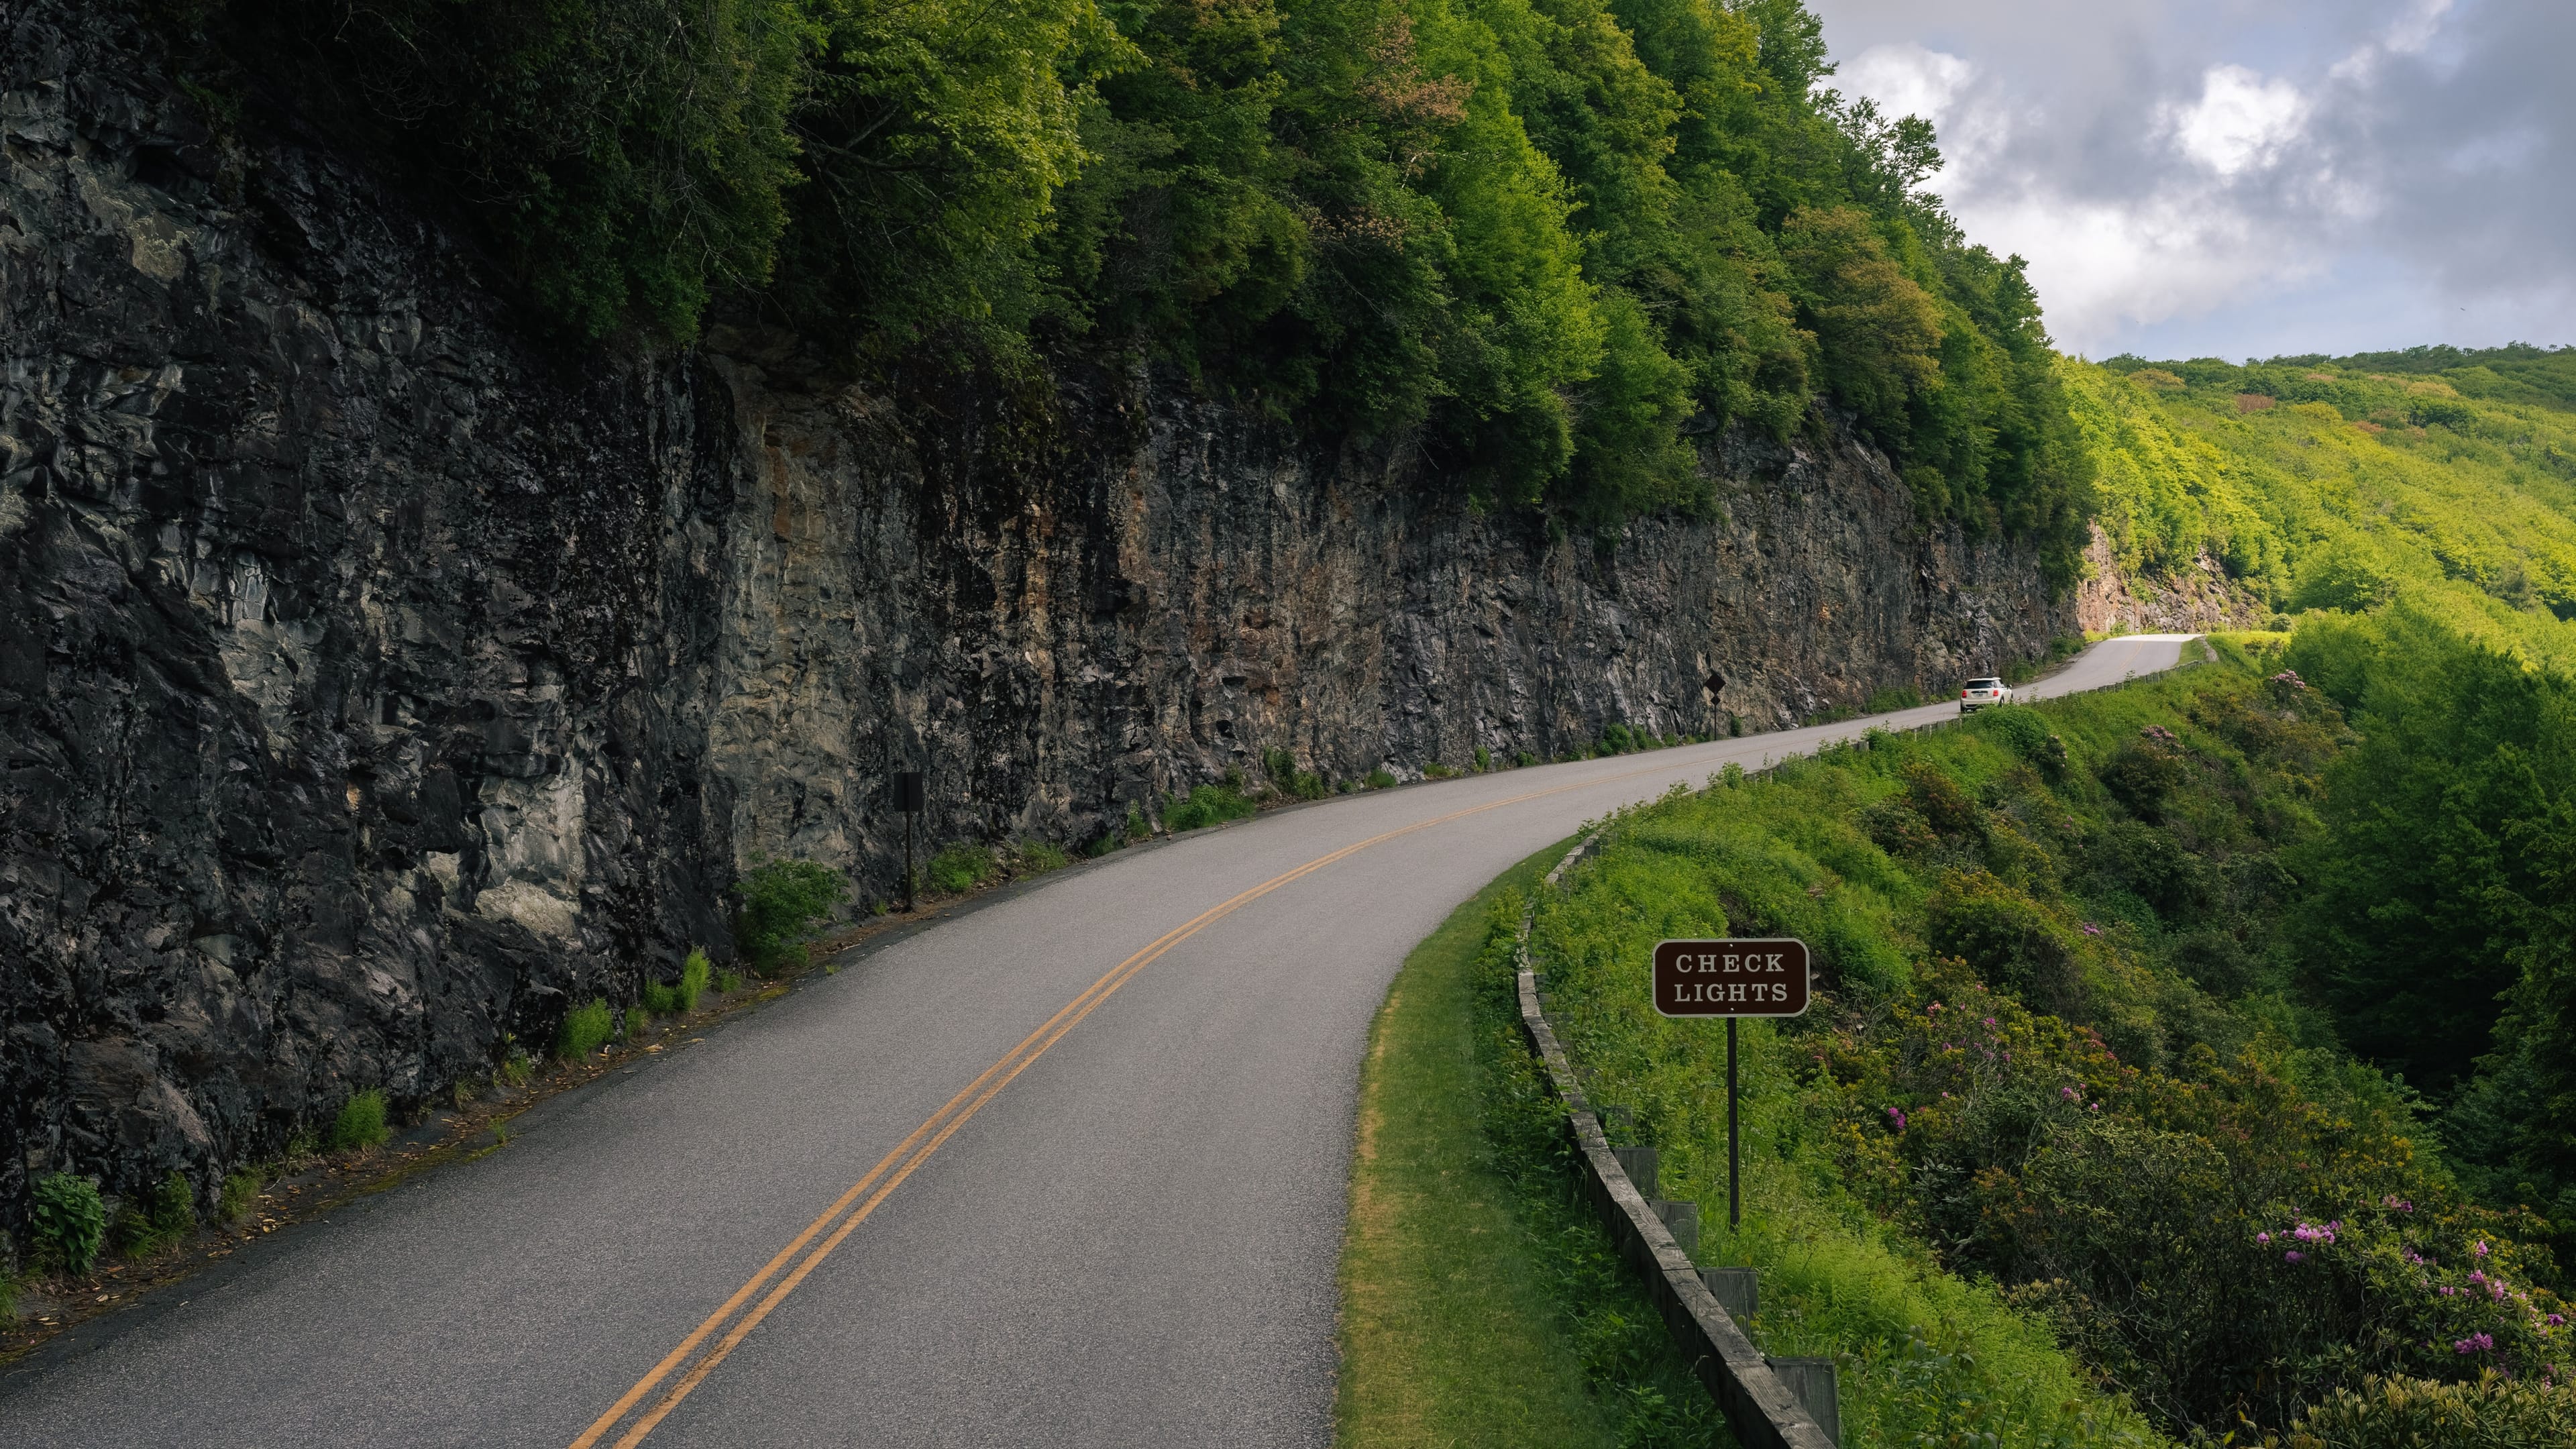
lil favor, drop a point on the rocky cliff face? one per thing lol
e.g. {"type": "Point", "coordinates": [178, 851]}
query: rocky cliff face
{"type": "Point", "coordinates": [2191, 600]}
{"type": "Point", "coordinates": [374, 682]}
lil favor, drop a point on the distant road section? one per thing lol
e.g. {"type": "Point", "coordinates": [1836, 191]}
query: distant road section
{"type": "Point", "coordinates": [1067, 1170]}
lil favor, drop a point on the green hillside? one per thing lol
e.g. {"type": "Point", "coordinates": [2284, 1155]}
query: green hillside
{"type": "Point", "coordinates": [1553, 239]}
{"type": "Point", "coordinates": [2444, 478]}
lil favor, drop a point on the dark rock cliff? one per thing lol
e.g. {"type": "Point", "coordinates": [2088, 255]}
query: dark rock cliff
{"type": "Point", "coordinates": [373, 681]}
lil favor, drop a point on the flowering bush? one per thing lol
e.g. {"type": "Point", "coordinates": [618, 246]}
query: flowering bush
{"type": "Point", "coordinates": [2220, 1245]}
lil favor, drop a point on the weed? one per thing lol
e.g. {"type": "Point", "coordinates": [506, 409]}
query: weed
{"type": "Point", "coordinates": [638, 1022]}
{"type": "Point", "coordinates": [782, 901]}
{"type": "Point", "coordinates": [1292, 782]}
{"type": "Point", "coordinates": [462, 1095]}
{"type": "Point", "coordinates": [1617, 739]}
{"type": "Point", "coordinates": [361, 1122]}
{"type": "Point", "coordinates": [69, 1221]}
{"type": "Point", "coordinates": [239, 1197]}
{"type": "Point", "coordinates": [1037, 857]}
{"type": "Point", "coordinates": [1524, 760]}
{"type": "Point", "coordinates": [1437, 771]}
{"type": "Point", "coordinates": [1484, 760]}
{"type": "Point", "coordinates": [1137, 826]}
{"type": "Point", "coordinates": [693, 978]}
{"type": "Point", "coordinates": [515, 1069]}
{"type": "Point", "coordinates": [729, 982]}
{"type": "Point", "coordinates": [959, 867]}
{"type": "Point", "coordinates": [1888, 701]}
{"type": "Point", "coordinates": [1735, 726]}
{"type": "Point", "coordinates": [585, 1030]}
{"type": "Point", "coordinates": [1206, 805]}
{"type": "Point", "coordinates": [156, 1219]}
{"type": "Point", "coordinates": [1379, 779]}
{"type": "Point", "coordinates": [659, 999]}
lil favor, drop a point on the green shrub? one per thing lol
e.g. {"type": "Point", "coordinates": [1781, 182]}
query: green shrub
{"type": "Point", "coordinates": [729, 982]}
{"type": "Point", "coordinates": [959, 867]}
{"type": "Point", "coordinates": [361, 1122]}
{"type": "Point", "coordinates": [660, 1000]}
{"type": "Point", "coordinates": [1379, 779]}
{"type": "Point", "coordinates": [1484, 760]}
{"type": "Point", "coordinates": [585, 1030]}
{"type": "Point", "coordinates": [1037, 857]}
{"type": "Point", "coordinates": [69, 1221]}
{"type": "Point", "coordinates": [1524, 760]}
{"type": "Point", "coordinates": [1435, 770]}
{"type": "Point", "coordinates": [1617, 739]}
{"type": "Point", "coordinates": [240, 1196]}
{"type": "Point", "coordinates": [638, 1022]}
{"type": "Point", "coordinates": [782, 902]}
{"type": "Point", "coordinates": [1138, 827]}
{"type": "Point", "coordinates": [1206, 805]}
{"type": "Point", "coordinates": [2402, 1413]}
{"type": "Point", "coordinates": [693, 978]}
{"type": "Point", "coordinates": [156, 1219]}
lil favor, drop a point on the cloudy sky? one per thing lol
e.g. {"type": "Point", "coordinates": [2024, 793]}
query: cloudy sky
{"type": "Point", "coordinates": [2243, 178]}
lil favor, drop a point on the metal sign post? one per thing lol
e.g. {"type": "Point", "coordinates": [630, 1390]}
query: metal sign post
{"type": "Point", "coordinates": [1731, 979]}
{"type": "Point", "coordinates": [908, 798]}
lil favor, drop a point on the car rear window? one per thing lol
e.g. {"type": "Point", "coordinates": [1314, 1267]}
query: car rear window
{"type": "Point", "coordinates": [1985, 684]}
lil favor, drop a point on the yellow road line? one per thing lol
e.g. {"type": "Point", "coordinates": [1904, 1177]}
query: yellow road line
{"type": "Point", "coordinates": [943, 1124]}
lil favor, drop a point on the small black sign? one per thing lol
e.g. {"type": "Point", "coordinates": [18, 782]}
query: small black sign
{"type": "Point", "coordinates": [908, 795]}
{"type": "Point", "coordinates": [1731, 978]}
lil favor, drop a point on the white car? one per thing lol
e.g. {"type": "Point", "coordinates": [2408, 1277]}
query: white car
{"type": "Point", "coordinates": [1983, 692]}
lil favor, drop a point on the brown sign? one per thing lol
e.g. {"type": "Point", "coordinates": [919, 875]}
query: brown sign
{"type": "Point", "coordinates": [1731, 978]}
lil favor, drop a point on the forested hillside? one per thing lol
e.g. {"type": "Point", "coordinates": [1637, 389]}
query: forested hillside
{"type": "Point", "coordinates": [2092, 970]}
{"type": "Point", "coordinates": [2443, 478]}
{"type": "Point", "coordinates": [1554, 239]}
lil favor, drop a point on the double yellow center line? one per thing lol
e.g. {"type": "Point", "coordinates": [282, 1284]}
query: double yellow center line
{"type": "Point", "coordinates": [712, 1341]}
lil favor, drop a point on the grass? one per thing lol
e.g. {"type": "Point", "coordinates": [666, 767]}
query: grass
{"type": "Point", "coordinates": [959, 867]}
{"type": "Point", "coordinates": [1482, 1305]}
{"type": "Point", "coordinates": [240, 1195]}
{"type": "Point", "coordinates": [361, 1122]}
{"type": "Point", "coordinates": [1207, 805]}
{"type": "Point", "coordinates": [585, 1030]}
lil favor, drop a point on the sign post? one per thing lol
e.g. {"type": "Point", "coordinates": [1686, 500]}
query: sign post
{"type": "Point", "coordinates": [1731, 979]}
{"type": "Point", "coordinates": [909, 798]}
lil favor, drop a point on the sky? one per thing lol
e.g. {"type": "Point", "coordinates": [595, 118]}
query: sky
{"type": "Point", "coordinates": [2223, 178]}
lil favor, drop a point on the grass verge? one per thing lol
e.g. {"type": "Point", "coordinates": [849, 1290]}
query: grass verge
{"type": "Point", "coordinates": [1480, 1303]}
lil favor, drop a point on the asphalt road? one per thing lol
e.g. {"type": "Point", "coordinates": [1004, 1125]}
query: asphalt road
{"type": "Point", "coordinates": [1126, 1236]}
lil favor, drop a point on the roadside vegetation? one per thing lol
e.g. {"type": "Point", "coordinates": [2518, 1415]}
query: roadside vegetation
{"type": "Point", "coordinates": [1481, 1302]}
{"type": "Point", "coordinates": [2076, 1146]}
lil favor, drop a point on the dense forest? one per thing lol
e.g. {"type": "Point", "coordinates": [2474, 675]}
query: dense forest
{"type": "Point", "coordinates": [1554, 241]}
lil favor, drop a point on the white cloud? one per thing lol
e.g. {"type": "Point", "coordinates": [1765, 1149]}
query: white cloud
{"type": "Point", "coordinates": [2241, 121]}
{"type": "Point", "coordinates": [1908, 80]}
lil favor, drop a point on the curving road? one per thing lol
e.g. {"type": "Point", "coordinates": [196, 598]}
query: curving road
{"type": "Point", "coordinates": [1065, 1170]}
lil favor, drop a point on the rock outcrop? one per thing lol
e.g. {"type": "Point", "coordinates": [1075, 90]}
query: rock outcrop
{"type": "Point", "coordinates": [2204, 596]}
{"type": "Point", "coordinates": [374, 681]}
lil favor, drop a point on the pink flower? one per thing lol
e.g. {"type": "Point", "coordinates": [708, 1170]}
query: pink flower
{"type": "Point", "coordinates": [2449, 1292]}
{"type": "Point", "coordinates": [1933, 1009]}
{"type": "Point", "coordinates": [1897, 1117]}
{"type": "Point", "coordinates": [2096, 1107]}
{"type": "Point", "coordinates": [2091, 929]}
{"type": "Point", "coordinates": [2067, 1092]}
{"type": "Point", "coordinates": [2474, 1343]}
{"type": "Point", "coordinates": [2263, 1238]}
{"type": "Point", "coordinates": [2555, 1319]}
{"type": "Point", "coordinates": [2294, 1256]}
{"type": "Point", "coordinates": [2482, 1247]}
{"type": "Point", "coordinates": [1990, 1021]}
